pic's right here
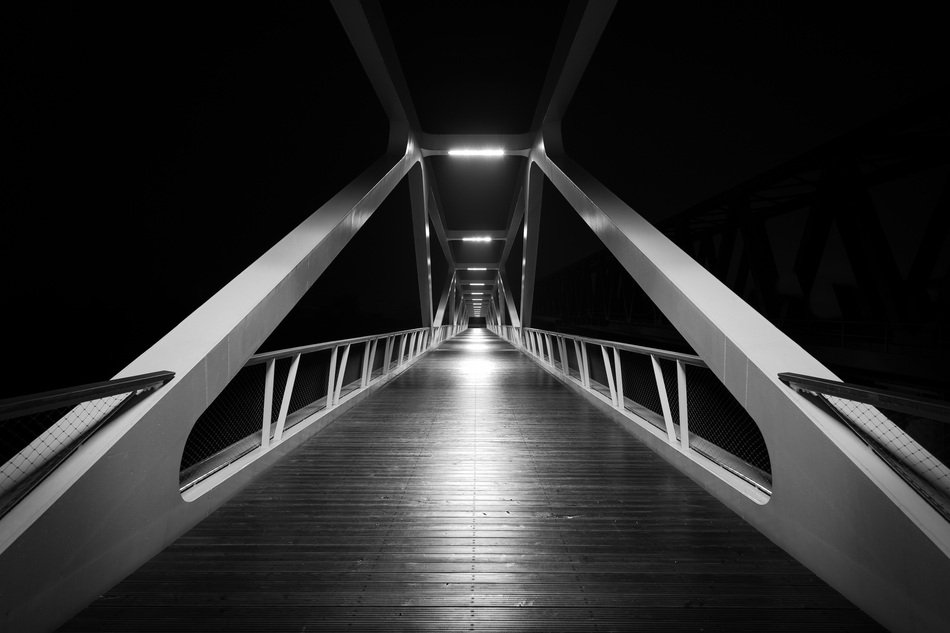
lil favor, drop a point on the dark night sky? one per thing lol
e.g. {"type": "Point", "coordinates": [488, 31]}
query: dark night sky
{"type": "Point", "coordinates": [152, 153]}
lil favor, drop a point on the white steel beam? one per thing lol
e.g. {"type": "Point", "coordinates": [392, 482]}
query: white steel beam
{"type": "Point", "coordinates": [420, 234]}
{"type": "Point", "coordinates": [534, 185]}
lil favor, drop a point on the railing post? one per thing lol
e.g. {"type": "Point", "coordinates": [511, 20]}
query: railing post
{"type": "Point", "coordinates": [664, 399]}
{"type": "Point", "coordinates": [610, 376]}
{"type": "Point", "coordinates": [547, 338]}
{"type": "Point", "coordinates": [402, 350]}
{"type": "Point", "coordinates": [621, 399]}
{"type": "Point", "coordinates": [388, 354]}
{"type": "Point", "coordinates": [339, 382]}
{"type": "Point", "coordinates": [565, 366]}
{"type": "Point", "coordinates": [580, 361]}
{"type": "Point", "coordinates": [681, 391]}
{"type": "Point", "coordinates": [285, 400]}
{"type": "Point", "coordinates": [268, 403]}
{"type": "Point", "coordinates": [331, 379]}
{"type": "Point", "coordinates": [372, 361]}
{"type": "Point", "coordinates": [364, 379]}
{"type": "Point", "coordinates": [585, 372]}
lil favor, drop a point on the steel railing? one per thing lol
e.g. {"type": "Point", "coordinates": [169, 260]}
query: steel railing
{"type": "Point", "coordinates": [674, 393]}
{"type": "Point", "coordinates": [38, 432]}
{"type": "Point", "coordinates": [275, 393]}
{"type": "Point", "coordinates": [911, 435]}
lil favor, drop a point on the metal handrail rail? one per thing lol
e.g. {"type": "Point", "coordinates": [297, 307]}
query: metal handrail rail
{"type": "Point", "coordinates": [317, 347]}
{"type": "Point", "coordinates": [932, 409]}
{"type": "Point", "coordinates": [69, 396]}
{"type": "Point", "coordinates": [689, 359]}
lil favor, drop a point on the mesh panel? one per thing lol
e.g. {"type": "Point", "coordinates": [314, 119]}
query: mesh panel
{"type": "Point", "coordinates": [35, 443]}
{"type": "Point", "coordinates": [639, 382]}
{"type": "Point", "coordinates": [311, 382]}
{"type": "Point", "coordinates": [354, 364]}
{"type": "Point", "coordinates": [234, 415]}
{"type": "Point", "coordinates": [716, 416]}
{"type": "Point", "coordinates": [908, 452]}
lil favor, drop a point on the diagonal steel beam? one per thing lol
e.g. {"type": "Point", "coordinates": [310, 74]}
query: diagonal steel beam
{"type": "Point", "coordinates": [366, 28]}
{"type": "Point", "coordinates": [583, 25]}
{"type": "Point", "coordinates": [448, 294]}
{"type": "Point", "coordinates": [420, 236]}
{"type": "Point", "coordinates": [437, 215]}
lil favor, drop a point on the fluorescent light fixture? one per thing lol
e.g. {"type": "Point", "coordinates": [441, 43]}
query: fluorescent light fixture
{"type": "Point", "coordinates": [478, 293]}
{"type": "Point", "coordinates": [481, 153]}
{"type": "Point", "coordinates": [476, 269]}
{"type": "Point", "coordinates": [476, 239]}
{"type": "Point", "coordinates": [476, 283]}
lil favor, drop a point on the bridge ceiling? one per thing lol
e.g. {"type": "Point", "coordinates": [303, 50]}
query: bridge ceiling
{"type": "Point", "coordinates": [476, 194]}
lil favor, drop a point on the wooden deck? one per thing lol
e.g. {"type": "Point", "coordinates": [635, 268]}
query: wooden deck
{"type": "Point", "coordinates": [473, 493]}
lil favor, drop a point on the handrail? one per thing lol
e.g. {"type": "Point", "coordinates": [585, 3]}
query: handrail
{"type": "Point", "coordinates": [933, 409]}
{"type": "Point", "coordinates": [316, 347]}
{"type": "Point", "coordinates": [741, 450]}
{"type": "Point", "coordinates": [689, 359]}
{"type": "Point", "coordinates": [69, 396]}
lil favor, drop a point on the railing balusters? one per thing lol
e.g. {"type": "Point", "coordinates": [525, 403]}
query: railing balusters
{"type": "Point", "coordinates": [372, 361]}
{"type": "Point", "coordinates": [285, 400]}
{"type": "Point", "coordinates": [339, 381]}
{"type": "Point", "coordinates": [664, 399]}
{"type": "Point", "coordinates": [621, 399]}
{"type": "Point", "coordinates": [681, 392]}
{"type": "Point", "coordinates": [387, 361]}
{"type": "Point", "coordinates": [610, 376]}
{"type": "Point", "coordinates": [402, 350]}
{"type": "Point", "coordinates": [331, 379]}
{"type": "Point", "coordinates": [364, 379]}
{"type": "Point", "coordinates": [268, 403]}
{"type": "Point", "coordinates": [580, 361]}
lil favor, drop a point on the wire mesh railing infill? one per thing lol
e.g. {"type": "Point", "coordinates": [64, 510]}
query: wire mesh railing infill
{"type": "Point", "coordinates": [39, 432]}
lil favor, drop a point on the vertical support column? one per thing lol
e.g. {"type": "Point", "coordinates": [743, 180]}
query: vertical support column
{"type": "Point", "coordinates": [420, 234]}
{"type": "Point", "coordinates": [610, 376]}
{"type": "Point", "coordinates": [285, 401]}
{"type": "Point", "coordinates": [331, 379]}
{"type": "Point", "coordinates": [532, 222]}
{"type": "Point", "coordinates": [388, 360]}
{"type": "Point", "coordinates": [664, 399]}
{"type": "Point", "coordinates": [621, 399]}
{"type": "Point", "coordinates": [268, 403]}
{"type": "Point", "coordinates": [580, 361]}
{"type": "Point", "coordinates": [339, 381]}
{"type": "Point", "coordinates": [372, 361]}
{"type": "Point", "coordinates": [402, 350]}
{"type": "Point", "coordinates": [681, 392]}
{"type": "Point", "coordinates": [585, 368]}
{"type": "Point", "coordinates": [364, 380]}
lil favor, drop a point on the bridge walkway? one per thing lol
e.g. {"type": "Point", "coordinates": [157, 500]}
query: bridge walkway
{"type": "Point", "coordinates": [473, 493]}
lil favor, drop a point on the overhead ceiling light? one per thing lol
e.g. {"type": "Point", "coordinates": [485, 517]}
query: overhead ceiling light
{"type": "Point", "coordinates": [476, 269]}
{"type": "Point", "coordinates": [476, 239]}
{"type": "Point", "coordinates": [476, 283]}
{"type": "Point", "coordinates": [478, 293]}
{"type": "Point", "coordinates": [481, 153]}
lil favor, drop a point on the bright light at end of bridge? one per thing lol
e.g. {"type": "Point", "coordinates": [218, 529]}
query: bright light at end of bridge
{"type": "Point", "coordinates": [480, 153]}
{"type": "Point", "coordinates": [476, 283]}
{"type": "Point", "coordinates": [476, 239]}
{"type": "Point", "coordinates": [476, 269]}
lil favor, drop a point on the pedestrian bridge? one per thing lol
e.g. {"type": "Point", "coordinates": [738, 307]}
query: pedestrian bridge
{"type": "Point", "coordinates": [463, 478]}
{"type": "Point", "coordinates": [476, 491]}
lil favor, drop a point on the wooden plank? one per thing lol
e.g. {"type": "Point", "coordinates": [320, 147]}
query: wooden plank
{"type": "Point", "coordinates": [475, 492]}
